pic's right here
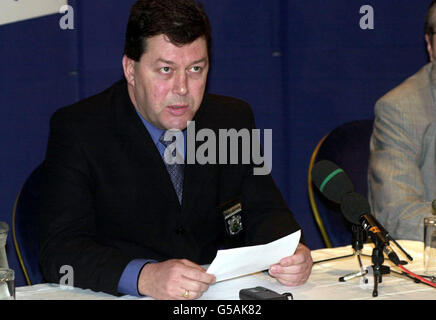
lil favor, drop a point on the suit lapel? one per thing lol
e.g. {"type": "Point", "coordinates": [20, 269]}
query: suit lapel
{"type": "Point", "coordinates": [433, 82]}
{"type": "Point", "coordinates": [139, 145]}
{"type": "Point", "coordinates": [197, 175]}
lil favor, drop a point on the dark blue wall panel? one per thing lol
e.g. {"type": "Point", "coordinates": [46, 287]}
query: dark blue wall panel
{"type": "Point", "coordinates": [304, 66]}
{"type": "Point", "coordinates": [37, 76]}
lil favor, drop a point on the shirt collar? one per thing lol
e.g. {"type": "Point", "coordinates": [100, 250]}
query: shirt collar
{"type": "Point", "coordinates": [155, 133]}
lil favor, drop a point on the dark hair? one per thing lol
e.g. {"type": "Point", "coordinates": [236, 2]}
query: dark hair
{"type": "Point", "coordinates": [182, 21]}
{"type": "Point", "coordinates": [429, 19]}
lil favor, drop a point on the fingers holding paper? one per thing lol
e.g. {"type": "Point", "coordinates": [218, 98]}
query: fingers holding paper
{"type": "Point", "coordinates": [174, 280]}
{"type": "Point", "coordinates": [293, 270]}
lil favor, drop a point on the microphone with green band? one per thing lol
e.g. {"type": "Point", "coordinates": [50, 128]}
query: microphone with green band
{"type": "Point", "coordinates": [331, 180]}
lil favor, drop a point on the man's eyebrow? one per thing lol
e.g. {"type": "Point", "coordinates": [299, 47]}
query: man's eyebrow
{"type": "Point", "coordinates": [200, 61]}
{"type": "Point", "coordinates": [165, 61]}
{"type": "Point", "coordinates": [172, 63]}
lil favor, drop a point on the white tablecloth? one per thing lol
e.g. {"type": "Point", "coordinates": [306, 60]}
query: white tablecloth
{"type": "Point", "coordinates": [323, 283]}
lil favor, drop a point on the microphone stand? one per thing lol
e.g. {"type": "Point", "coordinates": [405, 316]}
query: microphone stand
{"type": "Point", "coordinates": [357, 244]}
{"type": "Point", "coordinates": [378, 268]}
{"type": "Point", "coordinates": [357, 241]}
{"type": "Point", "coordinates": [377, 257]}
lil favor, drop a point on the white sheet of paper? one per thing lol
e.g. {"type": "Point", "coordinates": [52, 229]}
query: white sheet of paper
{"type": "Point", "coordinates": [232, 263]}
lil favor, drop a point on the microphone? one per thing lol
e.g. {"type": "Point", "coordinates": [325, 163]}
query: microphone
{"type": "Point", "coordinates": [334, 183]}
{"type": "Point", "coordinates": [331, 180]}
{"type": "Point", "coordinates": [336, 186]}
{"type": "Point", "coordinates": [356, 209]}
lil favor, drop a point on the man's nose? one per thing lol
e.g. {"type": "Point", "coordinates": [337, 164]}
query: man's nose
{"type": "Point", "coordinates": [181, 84]}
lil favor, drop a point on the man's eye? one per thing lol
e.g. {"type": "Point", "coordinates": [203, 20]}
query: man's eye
{"type": "Point", "coordinates": [165, 70]}
{"type": "Point", "coordinates": [196, 69]}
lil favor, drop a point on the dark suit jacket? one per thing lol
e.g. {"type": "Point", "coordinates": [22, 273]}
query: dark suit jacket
{"type": "Point", "coordinates": [108, 198]}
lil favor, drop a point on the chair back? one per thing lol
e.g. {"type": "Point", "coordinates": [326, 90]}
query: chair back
{"type": "Point", "coordinates": [25, 226]}
{"type": "Point", "coordinates": [348, 147]}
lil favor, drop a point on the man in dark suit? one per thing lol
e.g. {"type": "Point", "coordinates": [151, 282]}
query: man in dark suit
{"type": "Point", "coordinates": [126, 220]}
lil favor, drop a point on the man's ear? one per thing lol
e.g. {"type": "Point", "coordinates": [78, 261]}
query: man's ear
{"type": "Point", "coordinates": [429, 47]}
{"type": "Point", "coordinates": [129, 70]}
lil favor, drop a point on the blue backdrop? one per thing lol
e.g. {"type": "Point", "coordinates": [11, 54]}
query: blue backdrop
{"type": "Point", "coordinates": [304, 66]}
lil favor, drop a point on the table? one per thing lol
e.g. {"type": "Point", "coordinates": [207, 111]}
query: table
{"type": "Point", "coordinates": [323, 283]}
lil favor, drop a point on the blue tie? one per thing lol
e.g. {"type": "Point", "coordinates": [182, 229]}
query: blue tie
{"type": "Point", "coordinates": [175, 170]}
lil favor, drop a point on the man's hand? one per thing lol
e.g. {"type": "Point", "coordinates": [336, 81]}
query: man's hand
{"type": "Point", "coordinates": [293, 270]}
{"type": "Point", "coordinates": [174, 280]}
